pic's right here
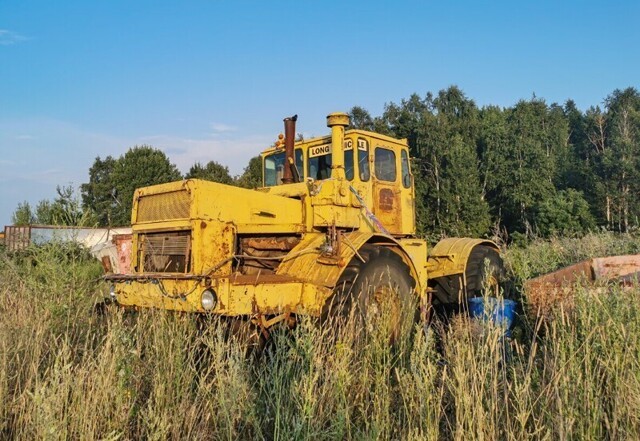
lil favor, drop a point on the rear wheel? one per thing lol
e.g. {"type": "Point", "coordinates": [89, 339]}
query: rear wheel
{"type": "Point", "coordinates": [376, 292]}
{"type": "Point", "coordinates": [484, 272]}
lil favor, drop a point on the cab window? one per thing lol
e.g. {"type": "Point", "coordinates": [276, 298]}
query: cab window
{"type": "Point", "coordinates": [319, 163]}
{"type": "Point", "coordinates": [299, 162]}
{"type": "Point", "coordinates": [404, 163]}
{"type": "Point", "coordinates": [363, 160]}
{"type": "Point", "coordinates": [348, 159]}
{"type": "Point", "coordinates": [273, 169]}
{"type": "Point", "coordinates": [385, 164]}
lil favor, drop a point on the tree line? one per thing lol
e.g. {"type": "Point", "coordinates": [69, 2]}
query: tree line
{"type": "Point", "coordinates": [106, 200]}
{"type": "Point", "coordinates": [532, 168]}
{"type": "Point", "coordinates": [529, 169]}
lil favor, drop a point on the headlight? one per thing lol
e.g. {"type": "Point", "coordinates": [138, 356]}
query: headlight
{"type": "Point", "coordinates": [112, 291]}
{"type": "Point", "coordinates": [208, 300]}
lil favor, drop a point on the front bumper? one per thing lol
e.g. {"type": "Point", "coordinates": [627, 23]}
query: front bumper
{"type": "Point", "coordinates": [235, 295]}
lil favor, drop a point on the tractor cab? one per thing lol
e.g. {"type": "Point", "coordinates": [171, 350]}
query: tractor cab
{"type": "Point", "coordinates": [375, 168]}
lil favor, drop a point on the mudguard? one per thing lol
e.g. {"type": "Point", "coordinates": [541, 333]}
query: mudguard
{"type": "Point", "coordinates": [450, 255]}
{"type": "Point", "coordinates": [307, 262]}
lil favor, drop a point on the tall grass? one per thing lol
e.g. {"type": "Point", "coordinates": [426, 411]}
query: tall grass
{"type": "Point", "coordinates": [68, 373]}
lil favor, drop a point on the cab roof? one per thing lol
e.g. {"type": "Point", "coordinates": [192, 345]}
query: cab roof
{"type": "Point", "coordinates": [327, 138]}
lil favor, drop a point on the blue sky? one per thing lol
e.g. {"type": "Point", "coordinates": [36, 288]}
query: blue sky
{"type": "Point", "coordinates": [212, 80]}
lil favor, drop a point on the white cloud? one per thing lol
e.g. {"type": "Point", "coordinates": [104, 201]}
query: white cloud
{"type": "Point", "coordinates": [232, 152]}
{"type": "Point", "coordinates": [40, 153]}
{"type": "Point", "coordinates": [222, 128]}
{"type": "Point", "coordinates": [7, 37]}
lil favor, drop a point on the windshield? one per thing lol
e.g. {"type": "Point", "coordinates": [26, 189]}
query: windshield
{"type": "Point", "coordinates": [319, 165]}
{"type": "Point", "coordinates": [274, 167]}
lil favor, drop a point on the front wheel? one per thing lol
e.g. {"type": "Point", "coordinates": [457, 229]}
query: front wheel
{"type": "Point", "coordinates": [376, 292]}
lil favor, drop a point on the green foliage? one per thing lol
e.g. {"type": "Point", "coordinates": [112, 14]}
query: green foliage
{"type": "Point", "coordinates": [360, 119]}
{"type": "Point", "coordinates": [65, 209]}
{"type": "Point", "coordinates": [252, 175]}
{"type": "Point", "coordinates": [109, 192]}
{"type": "Point", "coordinates": [140, 166]}
{"type": "Point", "coordinates": [442, 132]}
{"type": "Point", "coordinates": [23, 215]}
{"type": "Point", "coordinates": [44, 212]}
{"type": "Point", "coordinates": [212, 171]}
{"type": "Point", "coordinates": [544, 256]}
{"type": "Point", "coordinates": [620, 160]}
{"type": "Point", "coordinates": [564, 214]}
{"type": "Point", "coordinates": [99, 193]}
{"type": "Point", "coordinates": [521, 160]}
{"type": "Point", "coordinates": [533, 167]}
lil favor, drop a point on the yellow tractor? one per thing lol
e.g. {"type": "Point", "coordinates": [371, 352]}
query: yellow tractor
{"type": "Point", "coordinates": [333, 226]}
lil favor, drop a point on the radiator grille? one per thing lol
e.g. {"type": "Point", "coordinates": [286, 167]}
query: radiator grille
{"type": "Point", "coordinates": [164, 206]}
{"type": "Point", "coordinates": [166, 252]}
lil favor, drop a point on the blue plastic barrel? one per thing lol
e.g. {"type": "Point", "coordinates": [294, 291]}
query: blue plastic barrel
{"type": "Point", "coordinates": [500, 312]}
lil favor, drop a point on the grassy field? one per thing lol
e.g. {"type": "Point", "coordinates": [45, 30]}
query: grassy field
{"type": "Point", "coordinates": [66, 373]}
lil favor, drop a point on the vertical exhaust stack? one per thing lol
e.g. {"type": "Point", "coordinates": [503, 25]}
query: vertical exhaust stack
{"type": "Point", "coordinates": [337, 122]}
{"type": "Point", "coordinates": [289, 141]}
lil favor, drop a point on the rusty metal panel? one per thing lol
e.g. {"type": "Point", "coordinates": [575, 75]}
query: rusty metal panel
{"type": "Point", "coordinates": [566, 276]}
{"type": "Point", "coordinates": [386, 199]}
{"type": "Point", "coordinates": [546, 291]}
{"type": "Point", "coordinates": [599, 268]}
{"type": "Point", "coordinates": [615, 266]}
{"type": "Point", "coordinates": [164, 206]}
{"type": "Point", "coordinates": [282, 243]}
{"type": "Point", "coordinates": [549, 290]}
{"type": "Point", "coordinates": [17, 238]}
{"type": "Point", "coordinates": [123, 248]}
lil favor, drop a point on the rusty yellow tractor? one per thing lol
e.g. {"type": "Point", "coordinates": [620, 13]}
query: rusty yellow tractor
{"type": "Point", "coordinates": [333, 226]}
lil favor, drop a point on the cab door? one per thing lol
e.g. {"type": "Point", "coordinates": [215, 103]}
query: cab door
{"type": "Point", "coordinates": [386, 188]}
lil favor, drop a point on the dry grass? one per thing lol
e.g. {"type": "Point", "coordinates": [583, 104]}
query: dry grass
{"type": "Point", "coordinates": [66, 373]}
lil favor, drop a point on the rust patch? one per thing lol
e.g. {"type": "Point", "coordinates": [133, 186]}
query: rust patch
{"type": "Point", "coordinates": [616, 266]}
{"type": "Point", "coordinates": [123, 247]}
{"type": "Point", "coordinates": [285, 243]}
{"type": "Point", "coordinates": [253, 279]}
{"type": "Point", "coordinates": [106, 264]}
{"type": "Point", "coordinates": [385, 201]}
{"type": "Point", "coordinates": [556, 288]}
{"type": "Point", "coordinates": [565, 276]}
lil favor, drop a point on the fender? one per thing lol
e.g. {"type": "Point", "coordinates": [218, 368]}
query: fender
{"type": "Point", "coordinates": [312, 267]}
{"type": "Point", "coordinates": [450, 256]}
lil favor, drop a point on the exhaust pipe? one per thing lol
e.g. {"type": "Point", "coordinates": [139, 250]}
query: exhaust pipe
{"type": "Point", "coordinates": [337, 121]}
{"type": "Point", "coordinates": [289, 141]}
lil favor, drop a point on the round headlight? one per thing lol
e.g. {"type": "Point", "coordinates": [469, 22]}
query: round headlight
{"type": "Point", "coordinates": [208, 300]}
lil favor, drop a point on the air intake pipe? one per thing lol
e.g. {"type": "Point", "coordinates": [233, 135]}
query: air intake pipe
{"type": "Point", "coordinates": [337, 122]}
{"type": "Point", "coordinates": [289, 141]}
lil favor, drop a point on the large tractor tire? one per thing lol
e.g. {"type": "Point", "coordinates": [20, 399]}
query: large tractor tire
{"type": "Point", "coordinates": [484, 273]}
{"type": "Point", "coordinates": [378, 290]}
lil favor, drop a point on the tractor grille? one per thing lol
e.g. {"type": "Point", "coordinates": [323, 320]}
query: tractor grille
{"type": "Point", "coordinates": [166, 252]}
{"type": "Point", "coordinates": [164, 206]}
